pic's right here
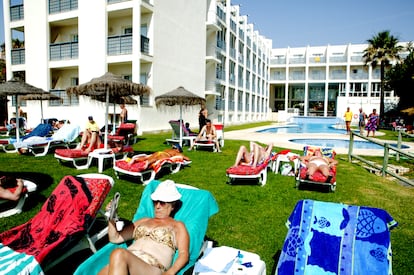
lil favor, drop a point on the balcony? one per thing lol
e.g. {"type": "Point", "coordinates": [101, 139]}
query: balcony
{"type": "Point", "coordinates": [63, 51]}
{"type": "Point", "coordinates": [17, 56]}
{"type": "Point", "coordinates": [16, 13]}
{"type": "Point", "coordinates": [120, 44]}
{"type": "Point", "coordinates": [58, 6]}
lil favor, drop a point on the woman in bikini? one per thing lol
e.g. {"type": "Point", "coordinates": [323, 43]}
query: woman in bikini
{"type": "Point", "coordinates": [156, 239]}
{"type": "Point", "coordinates": [317, 162]}
{"type": "Point", "coordinates": [154, 157]}
{"type": "Point", "coordinates": [257, 154]}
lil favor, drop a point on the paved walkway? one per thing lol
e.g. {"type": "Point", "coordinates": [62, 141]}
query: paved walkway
{"type": "Point", "coordinates": [282, 140]}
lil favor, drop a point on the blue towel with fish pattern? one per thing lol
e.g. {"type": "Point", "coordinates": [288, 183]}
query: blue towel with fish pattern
{"type": "Point", "coordinates": [332, 238]}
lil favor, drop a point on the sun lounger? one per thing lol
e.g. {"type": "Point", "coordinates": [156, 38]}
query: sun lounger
{"type": "Point", "coordinates": [29, 187]}
{"type": "Point", "coordinates": [40, 131]}
{"type": "Point", "coordinates": [126, 133]}
{"type": "Point", "coordinates": [209, 144]}
{"type": "Point", "coordinates": [144, 173]}
{"type": "Point", "coordinates": [40, 146]}
{"type": "Point", "coordinates": [248, 172]}
{"type": "Point", "coordinates": [58, 230]}
{"type": "Point", "coordinates": [81, 159]}
{"type": "Point", "coordinates": [318, 177]}
{"type": "Point", "coordinates": [64, 137]}
{"type": "Point", "coordinates": [7, 146]}
{"type": "Point", "coordinates": [197, 207]}
{"type": "Point", "coordinates": [187, 137]}
{"type": "Point", "coordinates": [335, 238]}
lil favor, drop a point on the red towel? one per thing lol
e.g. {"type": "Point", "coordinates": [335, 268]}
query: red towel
{"type": "Point", "coordinates": [66, 214]}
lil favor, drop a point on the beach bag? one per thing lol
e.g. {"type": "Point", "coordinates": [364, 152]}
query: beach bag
{"type": "Point", "coordinates": [286, 169]}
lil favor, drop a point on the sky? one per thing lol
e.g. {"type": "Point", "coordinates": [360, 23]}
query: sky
{"type": "Point", "coordinates": [300, 23]}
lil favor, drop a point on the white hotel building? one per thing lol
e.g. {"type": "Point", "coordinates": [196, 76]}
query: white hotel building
{"type": "Point", "coordinates": [207, 46]}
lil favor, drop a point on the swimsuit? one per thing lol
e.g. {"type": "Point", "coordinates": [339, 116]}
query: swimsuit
{"type": "Point", "coordinates": [318, 162]}
{"type": "Point", "coordinates": [161, 235]}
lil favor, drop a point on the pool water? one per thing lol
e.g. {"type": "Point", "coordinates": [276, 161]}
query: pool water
{"type": "Point", "coordinates": [341, 143]}
{"type": "Point", "coordinates": [314, 125]}
{"type": "Point", "coordinates": [309, 128]}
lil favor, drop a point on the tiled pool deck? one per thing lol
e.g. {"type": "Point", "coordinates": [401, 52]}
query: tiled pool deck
{"type": "Point", "coordinates": [282, 140]}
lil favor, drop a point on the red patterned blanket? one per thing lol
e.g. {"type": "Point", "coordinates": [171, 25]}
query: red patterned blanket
{"type": "Point", "coordinates": [68, 212]}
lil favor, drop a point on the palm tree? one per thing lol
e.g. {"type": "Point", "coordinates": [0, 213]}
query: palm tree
{"type": "Point", "coordinates": [382, 49]}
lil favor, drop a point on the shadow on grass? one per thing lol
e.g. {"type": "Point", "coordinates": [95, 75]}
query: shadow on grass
{"type": "Point", "coordinates": [43, 181]}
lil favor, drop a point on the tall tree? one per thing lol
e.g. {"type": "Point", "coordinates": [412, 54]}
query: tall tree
{"type": "Point", "coordinates": [382, 49]}
{"type": "Point", "coordinates": [401, 78]}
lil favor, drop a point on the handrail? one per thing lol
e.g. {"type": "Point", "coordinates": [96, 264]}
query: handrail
{"type": "Point", "coordinates": [387, 148]}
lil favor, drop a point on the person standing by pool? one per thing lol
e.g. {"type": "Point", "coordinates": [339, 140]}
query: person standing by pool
{"type": "Point", "coordinates": [361, 121]}
{"type": "Point", "coordinates": [373, 121]}
{"type": "Point", "coordinates": [348, 117]}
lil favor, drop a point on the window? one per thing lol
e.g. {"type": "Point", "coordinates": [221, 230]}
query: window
{"type": "Point", "coordinates": [127, 30]}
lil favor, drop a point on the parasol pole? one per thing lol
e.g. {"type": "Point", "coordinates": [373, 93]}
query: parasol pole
{"type": "Point", "coordinates": [181, 126]}
{"type": "Point", "coordinates": [41, 111]}
{"type": "Point", "coordinates": [113, 120]}
{"type": "Point", "coordinates": [17, 119]}
{"type": "Point", "coordinates": [106, 118]}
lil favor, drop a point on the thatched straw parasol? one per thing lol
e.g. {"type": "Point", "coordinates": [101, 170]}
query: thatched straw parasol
{"type": "Point", "coordinates": [181, 97]}
{"type": "Point", "coordinates": [16, 87]}
{"type": "Point", "coordinates": [41, 97]}
{"type": "Point", "coordinates": [111, 87]}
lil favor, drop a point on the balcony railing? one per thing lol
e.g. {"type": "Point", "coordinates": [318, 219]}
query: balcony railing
{"type": "Point", "coordinates": [356, 58]}
{"type": "Point", "coordinates": [120, 44]}
{"type": "Point", "coordinates": [64, 51]}
{"type": "Point", "coordinates": [18, 56]}
{"type": "Point", "coordinates": [276, 61]}
{"type": "Point", "coordinates": [145, 44]}
{"type": "Point", "coordinates": [297, 60]}
{"type": "Point", "coordinates": [337, 59]}
{"type": "Point", "coordinates": [16, 13]}
{"type": "Point", "coordinates": [57, 6]}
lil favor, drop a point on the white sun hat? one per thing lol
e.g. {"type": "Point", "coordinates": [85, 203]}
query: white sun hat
{"type": "Point", "coordinates": [166, 192]}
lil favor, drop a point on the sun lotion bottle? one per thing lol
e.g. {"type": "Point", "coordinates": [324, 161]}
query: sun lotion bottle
{"type": "Point", "coordinates": [238, 268]}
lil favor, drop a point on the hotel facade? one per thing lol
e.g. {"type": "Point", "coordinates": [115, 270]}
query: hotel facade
{"type": "Point", "coordinates": [207, 47]}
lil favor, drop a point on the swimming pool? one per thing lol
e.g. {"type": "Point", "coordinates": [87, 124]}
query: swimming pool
{"type": "Point", "coordinates": [306, 125]}
{"type": "Point", "coordinates": [341, 143]}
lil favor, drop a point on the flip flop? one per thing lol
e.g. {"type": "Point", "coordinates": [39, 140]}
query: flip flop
{"type": "Point", "coordinates": [114, 207]}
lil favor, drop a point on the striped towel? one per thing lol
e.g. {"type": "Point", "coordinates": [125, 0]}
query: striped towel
{"type": "Point", "coordinates": [12, 262]}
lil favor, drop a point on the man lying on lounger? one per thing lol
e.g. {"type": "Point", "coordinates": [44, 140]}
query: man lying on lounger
{"type": "Point", "coordinates": [317, 162]}
{"type": "Point", "coordinates": [154, 157]}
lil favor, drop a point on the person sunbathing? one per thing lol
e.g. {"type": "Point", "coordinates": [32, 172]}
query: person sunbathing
{"type": "Point", "coordinates": [156, 239]}
{"type": "Point", "coordinates": [9, 182]}
{"type": "Point", "coordinates": [317, 162]}
{"type": "Point", "coordinates": [257, 155]}
{"type": "Point", "coordinates": [160, 155]}
{"type": "Point", "coordinates": [208, 133]}
{"type": "Point", "coordinates": [90, 136]}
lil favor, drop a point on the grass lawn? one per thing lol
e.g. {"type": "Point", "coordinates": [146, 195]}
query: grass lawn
{"type": "Point", "coordinates": [251, 217]}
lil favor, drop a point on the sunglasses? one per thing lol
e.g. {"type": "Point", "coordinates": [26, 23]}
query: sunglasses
{"type": "Point", "coordinates": [162, 203]}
